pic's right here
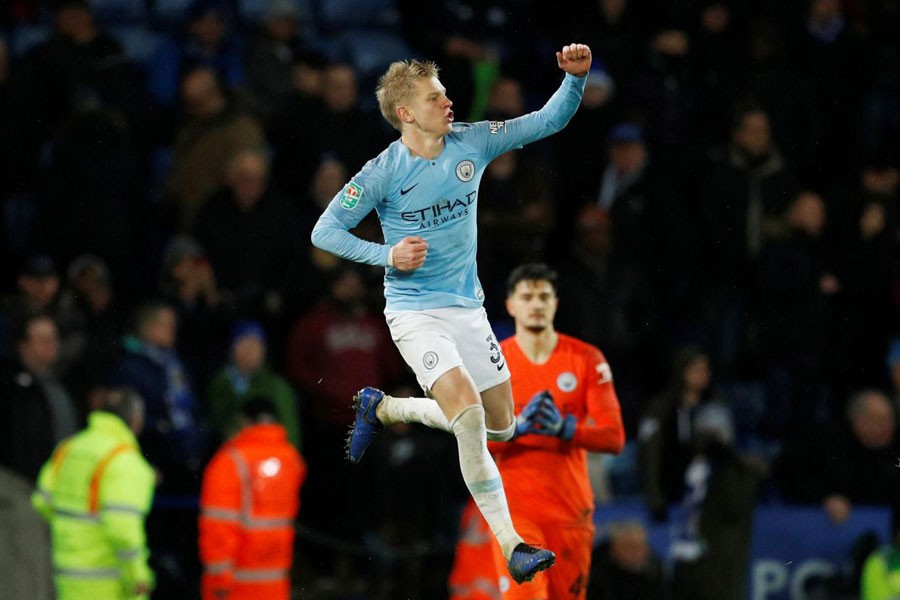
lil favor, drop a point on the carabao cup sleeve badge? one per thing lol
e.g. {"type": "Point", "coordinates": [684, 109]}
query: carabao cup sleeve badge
{"type": "Point", "coordinates": [351, 196]}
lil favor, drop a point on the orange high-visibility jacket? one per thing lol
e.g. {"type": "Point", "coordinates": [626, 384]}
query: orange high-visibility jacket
{"type": "Point", "coordinates": [474, 573]}
{"type": "Point", "coordinates": [248, 503]}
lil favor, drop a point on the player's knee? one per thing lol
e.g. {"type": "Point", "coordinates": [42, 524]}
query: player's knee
{"type": "Point", "coordinates": [502, 435]}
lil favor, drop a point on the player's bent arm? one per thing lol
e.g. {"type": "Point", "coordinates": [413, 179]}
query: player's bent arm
{"type": "Point", "coordinates": [551, 118]}
{"type": "Point", "coordinates": [332, 235]}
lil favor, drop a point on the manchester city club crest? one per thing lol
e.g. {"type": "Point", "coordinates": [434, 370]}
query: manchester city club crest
{"type": "Point", "coordinates": [465, 170]}
{"type": "Point", "coordinates": [566, 381]}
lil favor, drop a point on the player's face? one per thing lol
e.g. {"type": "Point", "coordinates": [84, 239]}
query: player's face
{"type": "Point", "coordinates": [533, 305]}
{"type": "Point", "coordinates": [430, 107]}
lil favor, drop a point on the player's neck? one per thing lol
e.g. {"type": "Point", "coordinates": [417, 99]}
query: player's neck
{"type": "Point", "coordinates": [423, 144]}
{"type": "Point", "coordinates": [537, 346]}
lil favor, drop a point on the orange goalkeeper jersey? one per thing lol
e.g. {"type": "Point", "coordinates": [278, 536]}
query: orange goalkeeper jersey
{"type": "Point", "coordinates": [546, 478]}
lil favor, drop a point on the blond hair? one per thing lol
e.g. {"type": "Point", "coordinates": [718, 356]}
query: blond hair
{"type": "Point", "coordinates": [397, 86]}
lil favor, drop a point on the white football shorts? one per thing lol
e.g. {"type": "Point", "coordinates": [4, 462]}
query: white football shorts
{"type": "Point", "coordinates": [435, 340]}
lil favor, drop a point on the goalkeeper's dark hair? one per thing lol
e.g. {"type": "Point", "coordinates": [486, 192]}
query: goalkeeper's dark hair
{"type": "Point", "coordinates": [531, 272]}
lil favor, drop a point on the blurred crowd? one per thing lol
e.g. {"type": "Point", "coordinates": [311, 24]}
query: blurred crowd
{"type": "Point", "coordinates": [722, 210]}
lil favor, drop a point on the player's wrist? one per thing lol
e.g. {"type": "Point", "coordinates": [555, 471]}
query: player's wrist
{"type": "Point", "coordinates": [390, 257]}
{"type": "Point", "coordinates": [567, 431]}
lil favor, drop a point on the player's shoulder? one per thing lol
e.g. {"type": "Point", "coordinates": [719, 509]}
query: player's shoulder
{"type": "Point", "coordinates": [388, 159]}
{"type": "Point", "coordinates": [468, 134]}
{"type": "Point", "coordinates": [573, 345]}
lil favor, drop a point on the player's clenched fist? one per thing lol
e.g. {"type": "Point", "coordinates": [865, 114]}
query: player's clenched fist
{"type": "Point", "coordinates": [409, 253]}
{"type": "Point", "coordinates": [574, 59]}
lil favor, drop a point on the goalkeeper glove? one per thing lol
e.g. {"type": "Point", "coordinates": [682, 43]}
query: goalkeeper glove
{"type": "Point", "coordinates": [525, 420]}
{"type": "Point", "coordinates": [552, 422]}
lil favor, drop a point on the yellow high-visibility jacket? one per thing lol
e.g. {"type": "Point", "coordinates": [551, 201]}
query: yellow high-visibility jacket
{"type": "Point", "coordinates": [95, 491]}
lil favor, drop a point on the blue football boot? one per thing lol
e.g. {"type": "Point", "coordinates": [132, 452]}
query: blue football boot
{"type": "Point", "coordinates": [366, 425]}
{"type": "Point", "coordinates": [527, 561]}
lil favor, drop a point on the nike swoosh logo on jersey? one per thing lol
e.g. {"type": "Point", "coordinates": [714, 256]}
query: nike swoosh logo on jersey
{"type": "Point", "coordinates": [408, 190]}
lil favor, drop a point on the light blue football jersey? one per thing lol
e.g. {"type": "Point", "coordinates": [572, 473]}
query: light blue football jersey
{"type": "Point", "coordinates": [436, 200]}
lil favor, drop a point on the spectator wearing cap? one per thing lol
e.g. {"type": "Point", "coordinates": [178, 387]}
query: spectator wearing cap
{"type": "Point", "coordinates": [642, 206]}
{"type": "Point", "coordinates": [39, 286]}
{"type": "Point", "coordinates": [208, 40]}
{"type": "Point", "coordinates": [36, 410]}
{"type": "Point", "coordinates": [188, 282]}
{"type": "Point", "coordinates": [247, 376]}
{"type": "Point", "coordinates": [270, 58]}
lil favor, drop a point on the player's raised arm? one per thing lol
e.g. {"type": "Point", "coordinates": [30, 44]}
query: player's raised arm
{"type": "Point", "coordinates": [575, 59]}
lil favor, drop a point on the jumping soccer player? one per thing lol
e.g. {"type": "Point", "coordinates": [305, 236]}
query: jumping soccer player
{"type": "Point", "coordinates": [424, 187]}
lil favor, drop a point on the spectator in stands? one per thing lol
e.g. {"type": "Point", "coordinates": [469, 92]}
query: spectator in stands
{"type": "Point", "coordinates": [630, 189]}
{"type": "Point", "coordinates": [250, 236]}
{"type": "Point", "coordinates": [711, 542]}
{"type": "Point", "coordinates": [247, 376]}
{"type": "Point", "coordinates": [270, 58]}
{"type": "Point", "coordinates": [77, 67]}
{"type": "Point", "coordinates": [207, 41]}
{"type": "Point", "coordinates": [842, 464]}
{"type": "Point", "coordinates": [826, 52]}
{"type": "Point", "coordinates": [625, 567]}
{"type": "Point", "coordinates": [333, 351]}
{"type": "Point", "coordinates": [744, 195]}
{"type": "Point", "coordinates": [36, 410]}
{"type": "Point", "coordinates": [516, 214]}
{"type": "Point", "coordinates": [38, 292]}
{"type": "Point", "coordinates": [89, 291]}
{"type": "Point", "coordinates": [666, 432]}
{"type": "Point", "coordinates": [94, 197]}
{"type": "Point", "coordinates": [205, 312]}
{"type": "Point", "coordinates": [576, 160]}
{"type": "Point", "coordinates": [335, 125]}
{"type": "Point", "coordinates": [215, 131]}
{"type": "Point", "coordinates": [796, 285]}
{"type": "Point", "coordinates": [591, 276]}
{"type": "Point", "coordinates": [174, 439]}
{"type": "Point", "coordinates": [307, 281]}
{"type": "Point", "coordinates": [865, 221]}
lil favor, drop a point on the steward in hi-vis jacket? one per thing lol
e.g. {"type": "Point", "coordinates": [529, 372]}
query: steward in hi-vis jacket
{"type": "Point", "coordinates": [248, 503]}
{"type": "Point", "coordinates": [95, 491]}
